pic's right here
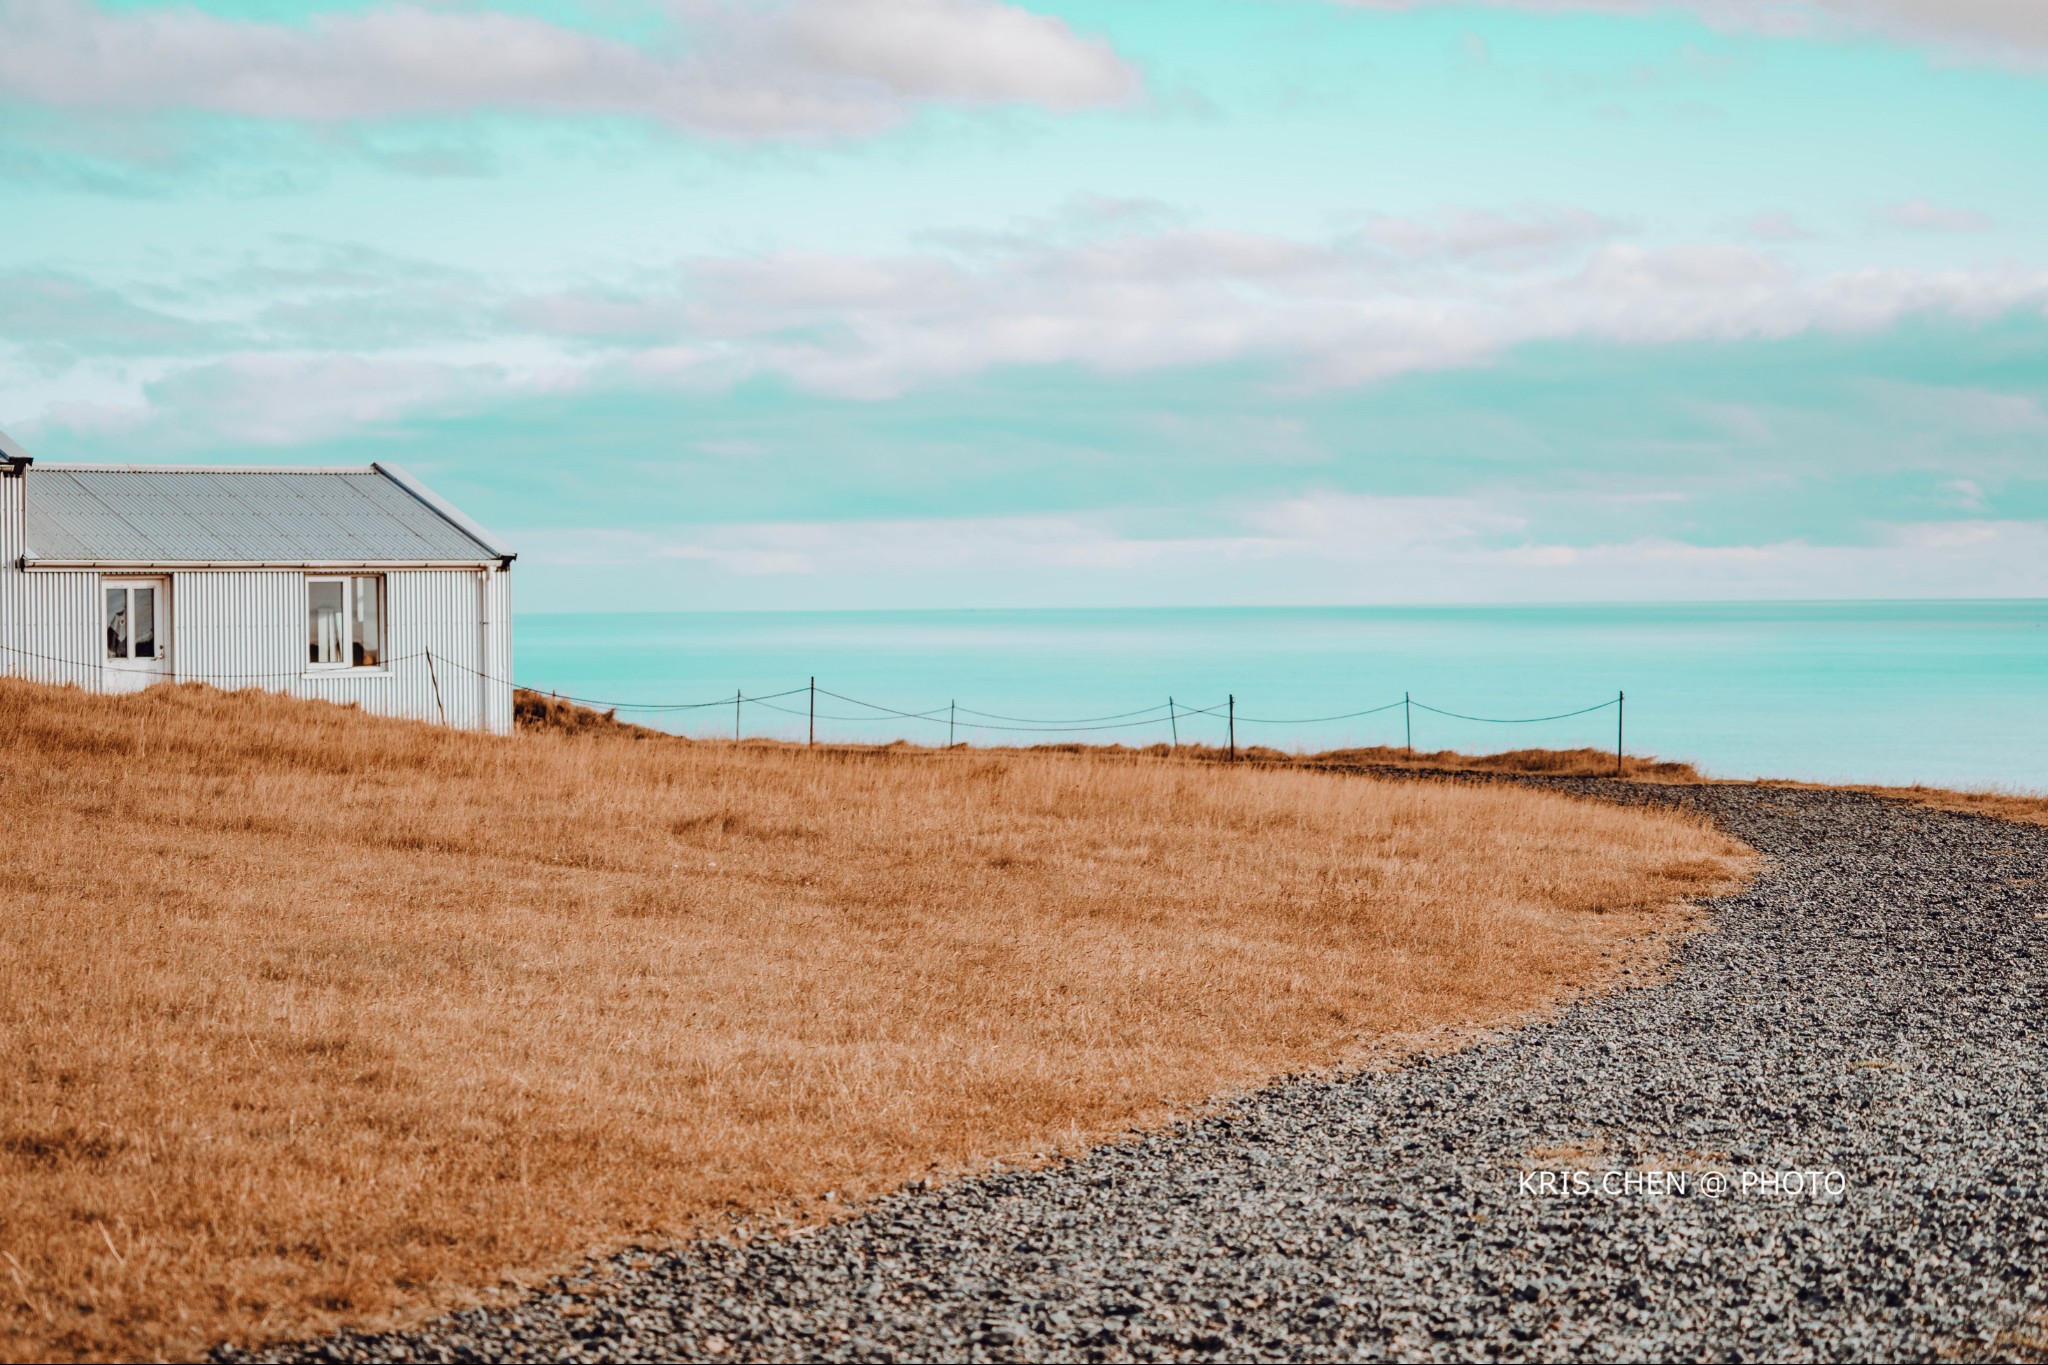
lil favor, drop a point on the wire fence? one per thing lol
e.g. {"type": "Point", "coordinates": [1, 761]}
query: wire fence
{"type": "Point", "coordinates": [1168, 714]}
{"type": "Point", "coordinates": [267, 675]}
{"type": "Point", "coordinates": [953, 716]}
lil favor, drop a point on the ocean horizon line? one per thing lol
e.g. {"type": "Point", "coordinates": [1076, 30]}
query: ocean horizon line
{"type": "Point", "coordinates": [1104, 609]}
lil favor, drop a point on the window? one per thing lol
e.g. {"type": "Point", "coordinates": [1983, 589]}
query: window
{"type": "Point", "coordinates": [131, 621]}
{"type": "Point", "coordinates": [345, 622]}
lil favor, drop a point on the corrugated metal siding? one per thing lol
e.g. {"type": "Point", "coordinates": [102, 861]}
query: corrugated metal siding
{"type": "Point", "coordinates": [494, 643]}
{"type": "Point", "coordinates": [283, 516]}
{"type": "Point", "coordinates": [13, 593]}
{"type": "Point", "coordinates": [50, 623]}
{"type": "Point", "coordinates": [495, 669]}
{"type": "Point", "coordinates": [430, 610]}
{"type": "Point", "coordinates": [247, 628]}
{"type": "Point", "coordinates": [65, 621]}
{"type": "Point", "coordinates": [237, 628]}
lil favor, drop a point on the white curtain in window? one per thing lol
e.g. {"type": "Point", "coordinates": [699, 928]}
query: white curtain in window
{"type": "Point", "coordinates": [328, 630]}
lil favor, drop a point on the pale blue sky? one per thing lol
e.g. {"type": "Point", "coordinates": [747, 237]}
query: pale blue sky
{"type": "Point", "coordinates": [905, 303]}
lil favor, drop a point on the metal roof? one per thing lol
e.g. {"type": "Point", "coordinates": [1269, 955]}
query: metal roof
{"type": "Point", "coordinates": [86, 514]}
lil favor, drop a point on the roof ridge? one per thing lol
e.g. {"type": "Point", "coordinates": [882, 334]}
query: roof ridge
{"type": "Point", "coordinates": [45, 467]}
{"type": "Point", "coordinates": [89, 516]}
{"type": "Point", "coordinates": [444, 509]}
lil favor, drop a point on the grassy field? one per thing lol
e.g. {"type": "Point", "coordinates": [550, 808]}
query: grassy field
{"type": "Point", "coordinates": [2023, 808]}
{"type": "Point", "coordinates": [307, 1017]}
{"type": "Point", "coordinates": [537, 711]}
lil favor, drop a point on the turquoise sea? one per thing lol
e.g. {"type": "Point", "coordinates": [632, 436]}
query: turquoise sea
{"type": "Point", "coordinates": [1951, 693]}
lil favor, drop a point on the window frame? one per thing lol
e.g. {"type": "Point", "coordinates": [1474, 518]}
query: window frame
{"type": "Point", "coordinates": [350, 585]}
{"type": "Point", "coordinates": [160, 596]}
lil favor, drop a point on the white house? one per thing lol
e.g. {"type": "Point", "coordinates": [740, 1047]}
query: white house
{"type": "Point", "coordinates": [351, 585]}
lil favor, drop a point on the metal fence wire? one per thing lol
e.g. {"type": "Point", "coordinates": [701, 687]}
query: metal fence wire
{"type": "Point", "coordinates": [952, 715]}
{"type": "Point", "coordinates": [1168, 713]}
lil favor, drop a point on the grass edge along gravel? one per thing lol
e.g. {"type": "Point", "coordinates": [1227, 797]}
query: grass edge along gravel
{"type": "Point", "coordinates": [314, 1019]}
{"type": "Point", "coordinates": [540, 712]}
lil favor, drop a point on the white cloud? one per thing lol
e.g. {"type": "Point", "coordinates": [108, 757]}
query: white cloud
{"type": "Point", "coordinates": [971, 51]}
{"type": "Point", "coordinates": [1472, 236]}
{"type": "Point", "coordinates": [1082, 217]}
{"type": "Point", "coordinates": [66, 311]}
{"type": "Point", "coordinates": [1996, 28]}
{"type": "Point", "coordinates": [2006, 31]}
{"type": "Point", "coordinates": [1973, 412]}
{"type": "Point", "coordinates": [1967, 495]}
{"type": "Point", "coordinates": [1312, 314]}
{"type": "Point", "coordinates": [1329, 314]}
{"type": "Point", "coordinates": [1903, 560]}
{"type": "Point", "coordinates": [1327, 528]}
{"type": "Point", "coordinates": [1920, 215]}
{"type": "Point", "coordinates": [282, 400]}
{"type": "Point", "coordinates": [800, 67]}
{"type": "Point", "coordinates": [1774, 226]}
{"type": "Point", "coordinates": [1318, 548]}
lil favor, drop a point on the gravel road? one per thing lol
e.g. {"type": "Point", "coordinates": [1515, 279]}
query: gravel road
{"type": "Point", "coordinates": [1869, 1025]}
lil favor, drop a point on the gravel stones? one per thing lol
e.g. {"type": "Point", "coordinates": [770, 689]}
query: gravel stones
{"type": "Point", "coordinates": [1857, 1052]}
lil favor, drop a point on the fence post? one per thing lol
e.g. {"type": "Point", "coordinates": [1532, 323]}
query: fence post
{"type": "Point", "coordinates": [1408, 724]}
{"type": "Point", "coordinates": [814, 711]}
{"type": "Point", "coordinates": [1173, 721]}
{"type": "Point", "coordinates": [1620, 700]}
{"type": "Point", "coordinates": [736, 714]}
{"type": "Point", "coordinates": [951, 708]}
{"type": "Point", "coordinates": [435, 679]}
{"type": "Point", "coordinates": [1233, 727]}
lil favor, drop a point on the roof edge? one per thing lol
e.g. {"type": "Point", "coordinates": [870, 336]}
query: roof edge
{"type": "Point", "coordinates": [361, 470]}
{"type": "Point", "coordinates": [444, 509]}
{"type": "Point", "coordinates": [32, 562]}
{"type": "Point", "coordinates": [13, 455]}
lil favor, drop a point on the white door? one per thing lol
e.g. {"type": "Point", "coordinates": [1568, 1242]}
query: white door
{"type": "Point", "coordinates": [137, 631]}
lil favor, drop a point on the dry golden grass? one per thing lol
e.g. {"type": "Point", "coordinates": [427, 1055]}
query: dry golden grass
{"type": "Point", "coordinates": [539, 711]}
{"type": "Point", "coordinates": [1544, 762]}
{"type": "Point", "coordinates": [2019, 807]}
{"type": "Point", "coordinates": [307, 1017]}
